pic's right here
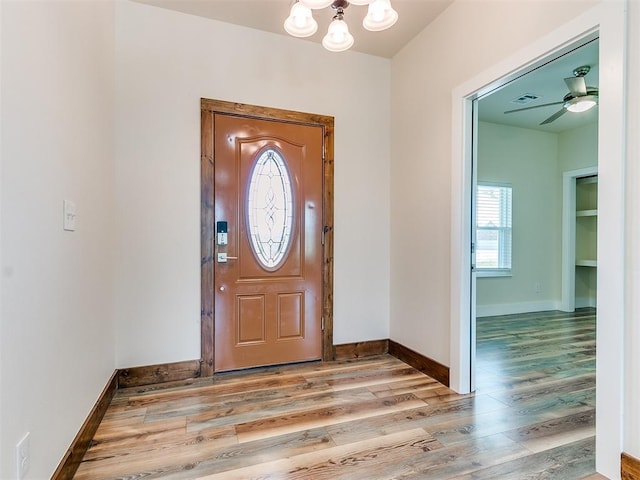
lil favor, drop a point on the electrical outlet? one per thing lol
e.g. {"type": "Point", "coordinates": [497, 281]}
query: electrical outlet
{"type": "Point", "coordinates": [23, 456]}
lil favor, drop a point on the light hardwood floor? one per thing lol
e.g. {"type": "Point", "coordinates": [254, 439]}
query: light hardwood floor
{"type": "Point", "coordinates": [532, 417]}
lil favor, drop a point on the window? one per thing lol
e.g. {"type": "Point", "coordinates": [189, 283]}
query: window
{"type": "Point", "coordinates": [270, 209]}
{"type": "Point", "coordinates": [493, 230]}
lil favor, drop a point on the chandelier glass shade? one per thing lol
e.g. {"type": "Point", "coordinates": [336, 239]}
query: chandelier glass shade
{"type": "Point", "coordinates": [380, 16]}
{"type": "Point", "coordinates": [300, 22]}
{"type": "Point", "coordinates": [338, 38]}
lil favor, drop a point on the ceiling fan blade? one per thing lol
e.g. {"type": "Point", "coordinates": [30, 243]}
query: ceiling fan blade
{"type": "Point", "coordinates": [535, 106]}
{"type": "Point", "coordinates": [577, 86]}
{"type": "Point", "coordinates": [555, 116]}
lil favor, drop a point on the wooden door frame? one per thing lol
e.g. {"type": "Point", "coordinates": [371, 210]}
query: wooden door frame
{"type": "Point", "coordinates": [208, 108]}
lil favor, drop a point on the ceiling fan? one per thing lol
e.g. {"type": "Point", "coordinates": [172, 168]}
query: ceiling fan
{"type": "Point", "coordinates": [579, 99]}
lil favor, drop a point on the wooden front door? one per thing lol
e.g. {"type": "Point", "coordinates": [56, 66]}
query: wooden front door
{"type": "Point", "coordinates": [268, 200]}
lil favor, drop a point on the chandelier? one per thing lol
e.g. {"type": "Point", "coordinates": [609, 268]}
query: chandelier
{"type": "Point", "coordinates": [300, 22]}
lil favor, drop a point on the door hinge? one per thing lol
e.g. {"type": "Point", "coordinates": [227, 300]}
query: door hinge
{"type": "Point", "coordinates": [324, 231]}
{"type": "Point", "coordinates": [473, 248]}
{"type": "Point", "coordinates": [322, 323]}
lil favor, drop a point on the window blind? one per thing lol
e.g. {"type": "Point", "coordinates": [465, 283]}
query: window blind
{"type": "Point", "coordinates": [493, 226]}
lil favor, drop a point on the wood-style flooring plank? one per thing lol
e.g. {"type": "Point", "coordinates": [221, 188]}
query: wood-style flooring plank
{"type": "Point", "coordinates": [463, 458]}
{"type": "Point", "coordinates": [353, 461]}
{"type": "Point", "coordinates": [571, 461]}
{"type": "Point", "coordinates": [470, 427]}
{"type": "Point", "coordinates": [373, 418]}
{"type": "Point", "coordinates": [268, 414]}
{"type": "Point", "coordinates": [239, 456]}
{"type": "Point", "coordinates": [359, 410]}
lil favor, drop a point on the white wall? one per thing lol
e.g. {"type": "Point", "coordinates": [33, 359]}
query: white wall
{"type": "Point", "coordinates": [57, 143]}
{"type": "Point", "coordinates": [578, 148]}
{"type": "Point", "coordinates": [528, 160]}
{"type": "Point", "coordinates": [423, 76]}
{"type": "Point", "coordinates": [167, 61]}
{"type": "Point", "coordinates": [632, 346]}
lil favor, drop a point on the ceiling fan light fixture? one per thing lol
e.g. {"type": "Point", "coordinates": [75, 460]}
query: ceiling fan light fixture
{"type": "Point", "coordinates": [338, 38]}
{"type": "Point", "coordinates": [380, 16]}
{"type": "Point", "coordinates": [300, 22]}
{"type": "Point", "coordinates": [581, 104]}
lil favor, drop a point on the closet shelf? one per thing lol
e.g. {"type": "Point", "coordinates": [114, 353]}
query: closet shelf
{"type": "Point", "coordinates": [586, 263]}
{"type": "Point", "coordinates": [587, 213]}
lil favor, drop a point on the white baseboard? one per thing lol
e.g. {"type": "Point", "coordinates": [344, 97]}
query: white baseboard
{"type": "Point", "coordinates": [515, 308]}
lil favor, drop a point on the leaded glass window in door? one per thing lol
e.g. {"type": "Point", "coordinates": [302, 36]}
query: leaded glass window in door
{"type": "Point", "coordinates": [270, 209]}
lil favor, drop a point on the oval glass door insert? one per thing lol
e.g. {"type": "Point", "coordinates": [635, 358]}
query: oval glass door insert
{"type": "Point", "coordinates": [270, 209]}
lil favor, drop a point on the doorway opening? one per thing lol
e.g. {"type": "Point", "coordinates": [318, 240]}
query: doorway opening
{"type": "Point", "coordinates": [525, 350]}
{"type": "Point", "coordinates": [526, 229]}
{"type": "Point", "coordinates": [213, 247]}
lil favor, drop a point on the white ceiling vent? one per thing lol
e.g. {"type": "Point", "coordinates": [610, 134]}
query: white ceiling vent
{"type": "Point", "coordinates": [525, 98]}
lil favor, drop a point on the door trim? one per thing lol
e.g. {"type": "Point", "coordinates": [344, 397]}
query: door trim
{"type": "Point", "coordinates": [208, 108]}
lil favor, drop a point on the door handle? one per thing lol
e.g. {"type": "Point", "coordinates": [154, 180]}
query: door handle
{"type": "Point", "coordinates": [223, 257]}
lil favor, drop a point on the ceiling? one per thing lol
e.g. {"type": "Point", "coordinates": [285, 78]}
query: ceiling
{"type": "Point", "coordinates": [546, 82]}
{"type": "Point", "coordinates": [269, 16]}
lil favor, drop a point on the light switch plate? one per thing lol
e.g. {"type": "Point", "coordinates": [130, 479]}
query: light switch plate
{"type": "Point", "coordinates": [69, 216]}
